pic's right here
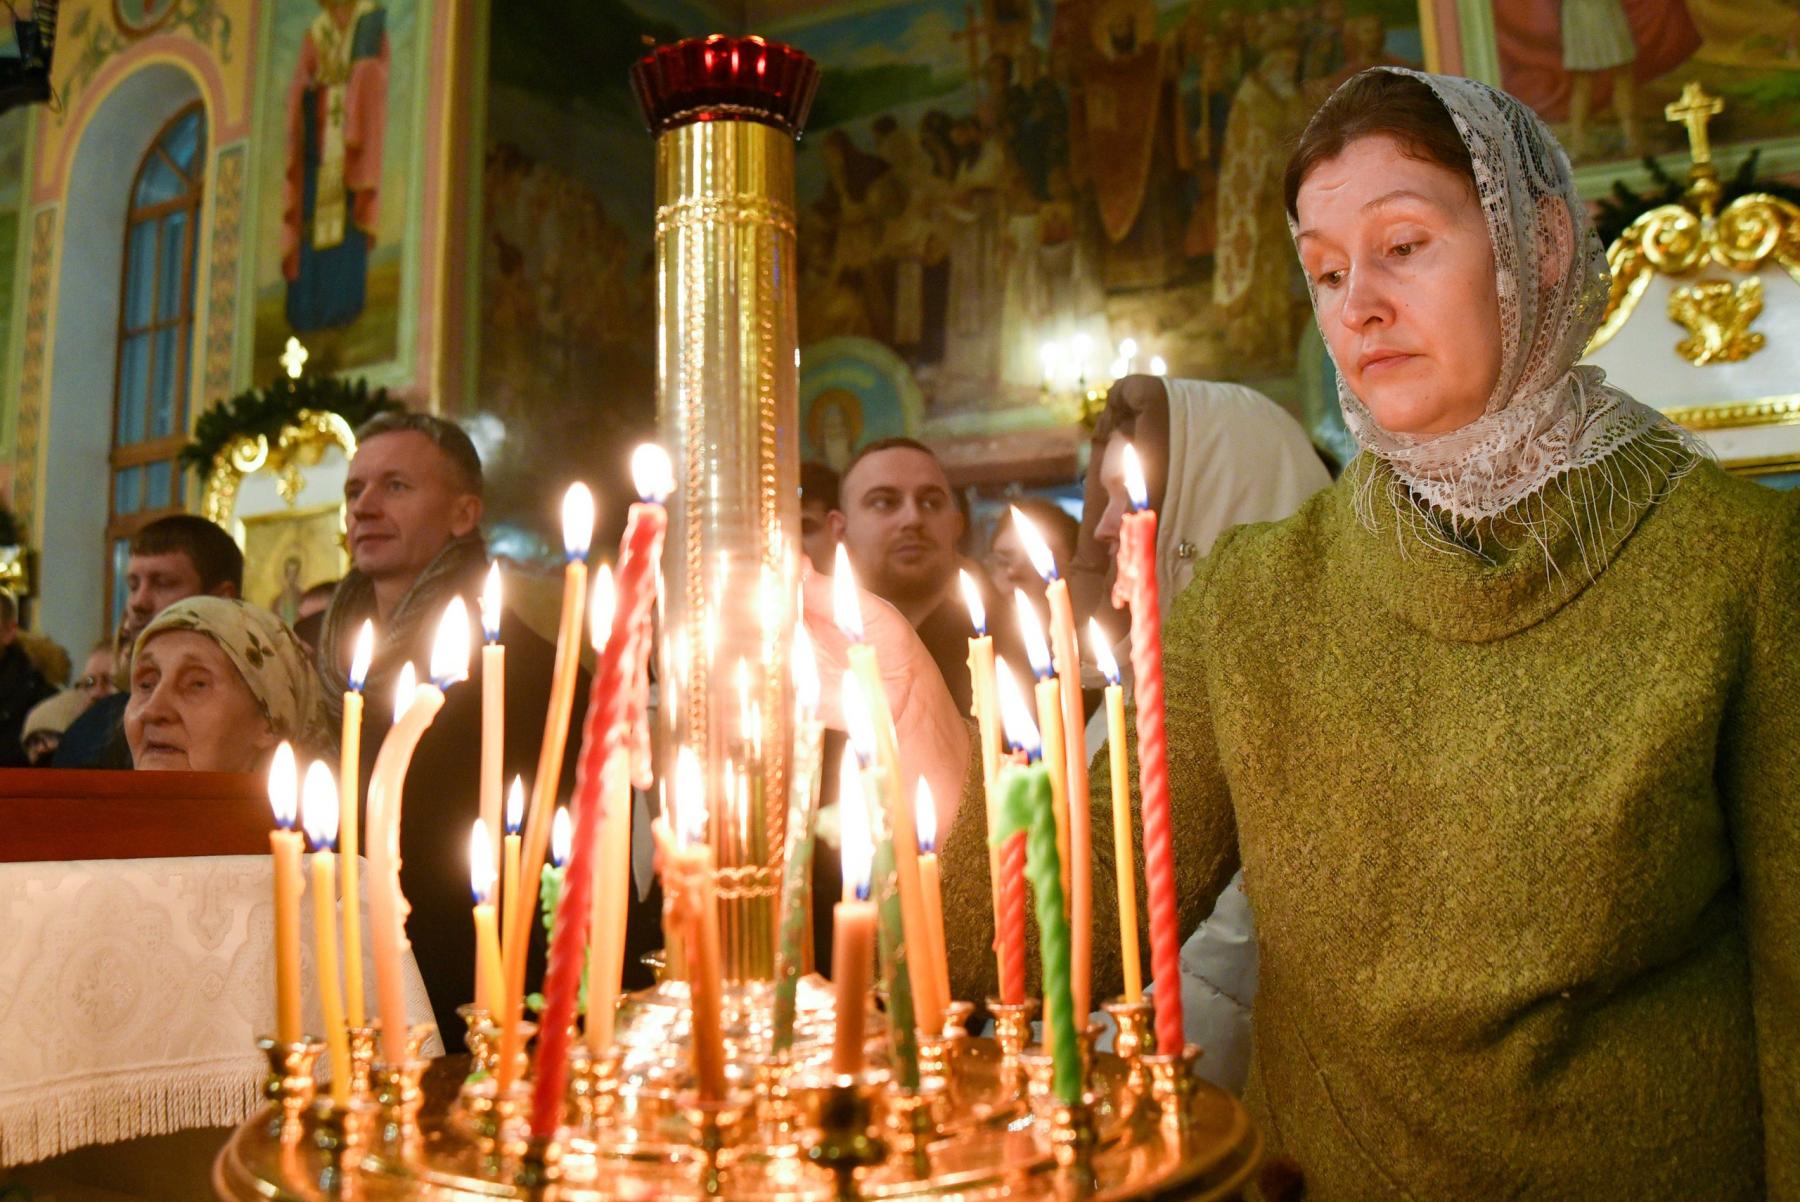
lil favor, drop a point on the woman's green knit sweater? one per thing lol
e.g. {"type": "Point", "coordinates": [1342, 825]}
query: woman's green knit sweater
{"type": "Point", "coordinates": [1521, 831]}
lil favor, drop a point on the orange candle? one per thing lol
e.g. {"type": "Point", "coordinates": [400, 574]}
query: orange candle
{"type": "Point", "coordinates": [509, 862]}
{"type": "Point", "coordinates": [284, 846]}
{"type": "Point", "coordinates": [349, 836]}
{"type": "Point", "coordinates": [985, 706]}
{"type": "Point", "coordinates": [688, 881]}
{"type": "Point", "coordinates": [321, 812]}
{"type": "Point", "coordinates": [606, 932]}
{"type": "Point", "coordinates": [931, 890]}
{"type": "Point", "coordinates": [1049, 715]}
{"type": "Point", "coordinates": [853, 926]}
{"type": "Point", "coordinates": [1124, 854]}
{"type": "Point", "coordinates": [493, 705]}
{"type": "Point", "coordinates": [487, 939]}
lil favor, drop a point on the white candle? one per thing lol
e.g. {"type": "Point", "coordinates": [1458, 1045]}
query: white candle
{"type": "Point", "coordinates": [284, 845]}
{"type": "Point", "coordinates": [321, 811]}
{"type": "Point", "coordinates": [349, 834]}
{"type": "Point", "coordinates": [493, 701]}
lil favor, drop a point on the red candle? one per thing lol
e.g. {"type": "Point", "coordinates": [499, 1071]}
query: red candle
{"type": "Point", "coordinates": [610, 722]}
{"type": "Point", "coordinates": [1136, 585]}
{"type": "Point", "coordinates": [1012, 871]}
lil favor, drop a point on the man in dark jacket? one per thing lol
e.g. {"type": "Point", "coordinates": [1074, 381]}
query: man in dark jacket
{"type": "Point", "coordinates": [413, 510]}
{"type": "Point", "coordinates": [22, 686]}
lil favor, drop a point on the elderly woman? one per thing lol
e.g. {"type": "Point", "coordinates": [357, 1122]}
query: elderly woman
{"type": "Point", "coordinates": [216, 683]}
{"type": "Point", "coordinates": [1503, 727]}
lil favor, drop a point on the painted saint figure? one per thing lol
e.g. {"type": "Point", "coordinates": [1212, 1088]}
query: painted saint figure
{"type": "Point", "coordinates": [336, 117]}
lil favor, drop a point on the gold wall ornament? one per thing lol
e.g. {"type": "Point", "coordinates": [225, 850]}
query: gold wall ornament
{"type": "Point", "coordinates": [300, 445]}
{"type": "Point", "coordinates": [1717, 315]}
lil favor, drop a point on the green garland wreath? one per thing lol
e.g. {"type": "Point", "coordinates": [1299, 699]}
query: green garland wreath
{"type": "Point", "coordinates": [266, 410]}
{"type": "Point", "coordinates": [1614, 213]}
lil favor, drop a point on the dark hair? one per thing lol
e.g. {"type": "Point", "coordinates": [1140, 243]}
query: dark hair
{"type": "Point", "coordinates": [447, 436]}
{"type": "Point", "coordinates": [1051, 519]}
{"type": "Point", "coordinates": [9, 606]}
{"type": "Point", "coordinates": [818, 485]}
{"type": "Point", "coordinates": [1369, 104]}
{"type": "Point", "coordinates": [213, 553]}
{"type": "Point", "coordinates": [322, 589]}
{"type": "Point", "coordinates": [887, 444]}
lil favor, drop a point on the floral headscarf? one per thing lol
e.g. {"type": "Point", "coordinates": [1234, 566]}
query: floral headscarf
{"type": "Point", "coordinates": [271, 659]}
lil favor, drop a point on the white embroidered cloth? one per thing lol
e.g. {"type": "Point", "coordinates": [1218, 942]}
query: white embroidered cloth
{"type": "Point", "coordinates": [132, 993]}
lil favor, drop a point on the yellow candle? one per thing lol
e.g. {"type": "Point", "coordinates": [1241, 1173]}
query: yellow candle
{"type": "Point", "coordinates": [606, 963]}
{"type": "Point", "coordinates": [509, 863]}
{"type": "Point", "coordinates": [1080, 860]}
{"type": "Point", "coordinates": [487, 936]}
{"type": "Point", "coordinates": [931, 890]}
{"type": "Point", "coordinates": [493, 702]}
{"type": "Point", "coordinates": [985, 706]}
{"type": "Point", "coordinates": [1050, 721]}
{"type": "Point", "coordinates": [284, 846]}
{"type": "Point", "coordinates": [321, 812]}
{"type": "Point", "coordinates": [418, 704]}
{"type": "Point", "coordinates": [688, 879]}
{"type": "Point", "coordinates": [1124, 854]}
{"type": "Point", "coordinates": [578, 533]}
{"type": "Point", "coordinates": [853, 928]}
{"type": "Point", "coordinates": [349, 834]}
{"type": "Point", "coordinates": [867, 672]}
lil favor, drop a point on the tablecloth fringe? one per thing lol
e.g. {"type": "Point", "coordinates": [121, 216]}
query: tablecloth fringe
{"type": "Point", "coordinates": [73, 1114]}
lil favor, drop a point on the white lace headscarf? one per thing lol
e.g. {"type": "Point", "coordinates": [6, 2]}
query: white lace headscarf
{"type": "Point", "coordinates": [1546, 416]}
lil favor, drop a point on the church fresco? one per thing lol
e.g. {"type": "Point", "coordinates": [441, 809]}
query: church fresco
{"type": "Point", "coordinates": [339, 132]}
{"type": "Point", "coordinates": [980, 180]}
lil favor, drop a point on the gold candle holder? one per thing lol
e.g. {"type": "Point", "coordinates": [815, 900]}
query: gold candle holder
{"type": "Point", "coordinates": [397, 1099]}
{"type": "Point", "coordinates": [1012, 1028]}
{"type": "Point", "coordinates": [845, 1143]}
{"type": "Point", "coordinates": [338, 1135]}
{"type": "Point", "coordinates": [288, 1087]}
{"type": "Point", "coordinates": [363, 1042]}
{"type": "Point", "coordinates": [476, 1023]}
{"type": "Point", "coordinates": [714, 1124]}
{"type": "Point", "coordinates": [1073, 1136]}
{"type": "Point", "coordinates": [540, 1168]}
{"type": "Point", "coordinates": [591, 1089]}
{"type": "Point", "coordinates": [775, 1108]}
{"type": "Point", "coordinates": [1173, 1083]}
{"type": "Point", "coordinates": [491, 1122]}
{"type": "Point", "coordinates": [1135, 1036]}
{"type": "Point", "coordinates": [1040, 1077]}
{"type": "Point", "coordinates": [956, 1017]}
{"type": "Point", "coordinates": [911, 1126]}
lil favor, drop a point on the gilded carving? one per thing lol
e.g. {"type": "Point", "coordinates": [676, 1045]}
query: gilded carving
{"type": "Point", "coordinates": [1717, 315]}
{"type": "Point", "coordinates": [298, 447]}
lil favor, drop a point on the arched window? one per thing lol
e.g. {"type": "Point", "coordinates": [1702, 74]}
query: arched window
{"type": "Point", "coordinates": [156, 335]}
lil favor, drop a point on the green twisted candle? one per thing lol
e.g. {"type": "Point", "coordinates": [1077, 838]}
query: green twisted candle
{"type": "Point", "coordinates": [1025, 805]}
{"type": "Point", "coordinates": [796, 878]}
{"type": "Point", "coordinates": [890, 935]}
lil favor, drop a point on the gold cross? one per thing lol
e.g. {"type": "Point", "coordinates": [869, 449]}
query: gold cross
{"type": "Point", "coordinates": [1694, 109]}
{"type": "Point", "coordinates": [294, 358]}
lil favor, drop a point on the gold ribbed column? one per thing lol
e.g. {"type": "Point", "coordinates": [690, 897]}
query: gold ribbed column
{"type": "Point", "coordinates": [728, 383]}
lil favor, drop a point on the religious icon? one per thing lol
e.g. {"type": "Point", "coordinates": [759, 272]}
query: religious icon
{"type": "Point", "coordinates": [337, 115]}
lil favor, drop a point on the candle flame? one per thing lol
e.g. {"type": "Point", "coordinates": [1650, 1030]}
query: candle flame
{"type": "Point", "coordinates": [806, 673]}
{"type": "Point", "coordinates": [690, 797]}
{"type": "Point", "coordinates": [1031, 630]}
{"type": "Point", "coordinates": [1015, 715]}
{"type": "Point", "coordinates": [1128, 348]}
{"type": "Point", "coordinates": [1103, 656]}
{"type": "Point", "coordinates": [481, 863]}
{"type": "Point", "coordinates": [515, 806]}
{"type": "Point", "coordinates": [405, 685]}
{"type": "Point", "coordinates": [319, 807]}
{"type": "Point", "coordinates": [972, 598]}
{"type": "Point", "coordinates": [859, 724]}
{"type": "Point", "coordinates": [603, 603]}
{"type": "Point", "coordinates": [1135, 488]}
{"type": "Point", "coordinates": [490, 604]}
{"type": "Point", "coordinates": [450, 650]}
{"type": "Point", "coordinates": [284, 785]}
{"type": "Point", "coordinates": [365, 652]}
{"type": "Point", "coordinates": [578, 521]}
{"type": "Point", "coordinates": [1036, 549]}
{"type": "Point", "coordinates": [562, 834]}
{"type": "Point", "coordinates": [925, 817]}
{"type": "Point", "coordinates": [652, 473]}
{"type": "Point", "coordinates": [1158, 366]}
{"type": "Point", "coordinates": [855, 843]}
{"type": "Point", "coordinates": [846, 609]}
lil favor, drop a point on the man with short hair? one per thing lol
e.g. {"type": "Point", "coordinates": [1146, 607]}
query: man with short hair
{"type": "Point", "coordinates": [818, 497]}
{"type": "Point", "coordinates": [899, 520]}
{"type": "Point", "coordinates": [170, 559]}
{"type": "Point", "coordinates": [413, 506]}
{"type": "Point", "coordinates": [22, 686]}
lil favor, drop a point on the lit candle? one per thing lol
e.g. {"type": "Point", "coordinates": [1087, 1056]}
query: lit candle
{"type": "Point", "coordinates": [1067, 658]}
{"type": "Point", "coordinates": [1136, 584]}
{"type": "Point", "coordinates": [284, 846]}
{"type": "Point", "coordinates": [1049, 719]}
{"type": "Point", "coordinates": [510, 895]}
{"type": "Point", "coordinates": [321, 813]}
{"type": "Point", "coordinates": [1011, 922]}
{"type": "Point", "coordinates": [907, 986]}
{"type": "Point", "coordinates": [932, 890]}
{"type": "Point", "coordinates": [349, 834]}
{"type": "Point", "coordinates": [487, 935]}
{"type": "Point", "coordinates": [687, 870]}
{"type": "Point", "coordinates": [550, 881]}
{"type": "Point", "coordinates": [606, 931]}
{"type": "Point", "coordinates": [853, 925]}
{"type": "Point", "coordinates": [578, 533]}
{"type": "Point", "coordinates": [847, 614]}
{"type": "Point", "coordinates": [416, 706]}
{"type": "Point", "coordinates": [614, 714]}
{"type": "Point", "coordinates": [803, 805]}
{"type": "Point", "coordinates": [1025, 806]}
{"type": "Point", "coordinates": [984, 705]}
{"type": "Point", "coordinates": [493, 710]}
{"type": "Point", "coordinates": [1123, 853]}
{"type": "Point", "coordinates": [1157, 366]}
{"type": "Point", "coordinates": [1128, 349]}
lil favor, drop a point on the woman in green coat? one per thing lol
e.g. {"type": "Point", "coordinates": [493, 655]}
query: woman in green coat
{"type": "Point", "coordinates": [1504, 727]}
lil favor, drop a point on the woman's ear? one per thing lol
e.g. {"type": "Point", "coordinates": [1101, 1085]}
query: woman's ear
{"type": "Point", "coordinates": [1556, 241]}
